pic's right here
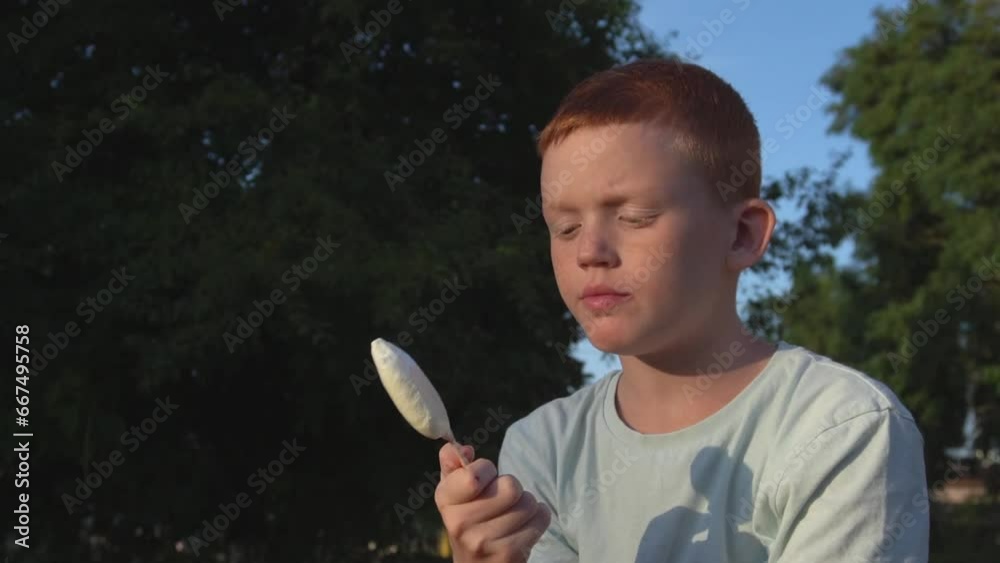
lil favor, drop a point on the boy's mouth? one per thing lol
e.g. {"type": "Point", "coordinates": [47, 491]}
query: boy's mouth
{"type": "Point", "coordinates": [600, 297]}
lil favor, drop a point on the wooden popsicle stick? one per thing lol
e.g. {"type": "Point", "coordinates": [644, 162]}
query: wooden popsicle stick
{"type": "Point", "coordinates": [458, 450]}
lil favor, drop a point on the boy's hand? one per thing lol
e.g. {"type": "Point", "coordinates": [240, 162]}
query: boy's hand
{"type": "Point", "coordinates": [488, 518]}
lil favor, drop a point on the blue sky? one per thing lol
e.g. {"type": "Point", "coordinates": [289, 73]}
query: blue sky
{"type": "Point", "coordinates": [774, 54]}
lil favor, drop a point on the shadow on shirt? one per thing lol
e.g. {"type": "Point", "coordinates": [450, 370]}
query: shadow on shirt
{"type": "Point", "coordinates": [685, 535]}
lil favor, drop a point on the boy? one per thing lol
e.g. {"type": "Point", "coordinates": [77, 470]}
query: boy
{"type": "Point", "coordinates": [710, 444]}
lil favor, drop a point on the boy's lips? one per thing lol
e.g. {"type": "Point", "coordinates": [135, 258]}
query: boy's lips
{"type": "Point", "coordinates": [600, 297]}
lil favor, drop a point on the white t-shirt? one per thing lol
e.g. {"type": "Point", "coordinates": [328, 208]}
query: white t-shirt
{"type": "Point", "coordinates": [813, 462]}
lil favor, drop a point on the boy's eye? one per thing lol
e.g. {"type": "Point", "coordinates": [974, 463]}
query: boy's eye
{"type": "Point", "coordinates": [567, 230]}
{"type": "Point", "coordinates": [635, 220]}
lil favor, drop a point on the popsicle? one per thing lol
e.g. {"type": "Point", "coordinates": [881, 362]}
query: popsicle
{"type": "Point", "coordinates": [412, 393]}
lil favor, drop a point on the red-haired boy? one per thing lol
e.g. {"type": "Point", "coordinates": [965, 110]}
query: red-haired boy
{"type": "Point", "coordinates": [710, 445]}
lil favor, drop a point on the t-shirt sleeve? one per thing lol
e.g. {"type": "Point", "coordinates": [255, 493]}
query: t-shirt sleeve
{"type": "Point", "coordinates": [856, 492]}
{"type": "Point", "coordinates": [535, 470]}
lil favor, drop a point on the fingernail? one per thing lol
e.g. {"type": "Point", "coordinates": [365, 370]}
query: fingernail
{"type": "Point", "coordinates": [475, 473]}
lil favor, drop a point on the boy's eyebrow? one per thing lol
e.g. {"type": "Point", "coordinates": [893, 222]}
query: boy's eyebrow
{"type": "Point", "coordinates": [550, 207]}
{"type": "Point", "coordinates": [614, 199]}
{"type": "Point", "coordinates": [610, 197]}
{"type": "Point", "coordinates": [608, 200]}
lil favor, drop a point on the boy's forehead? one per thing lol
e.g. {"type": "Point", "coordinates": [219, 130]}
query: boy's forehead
{"type": "Point", "coordinates": [650, 136]}
{"type": "Point", "coordinates": [608, 161]}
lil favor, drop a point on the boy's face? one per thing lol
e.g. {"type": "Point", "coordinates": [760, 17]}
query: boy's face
{"type": "Point", "coordinates": [627, 214]}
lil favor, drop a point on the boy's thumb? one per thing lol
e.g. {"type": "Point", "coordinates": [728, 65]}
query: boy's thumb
{"type": "Point", "coordinates": [448, 456]}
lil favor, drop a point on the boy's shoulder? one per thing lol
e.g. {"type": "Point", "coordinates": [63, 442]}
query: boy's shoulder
{"type": "Point", "coordinates": [568, 411]}
{"type": "Point", "coordinates": [546, 432]}
{"type": "Point", "coordinates": [800, 392]}
{"type": "Point", "coordinates": [810, 385]}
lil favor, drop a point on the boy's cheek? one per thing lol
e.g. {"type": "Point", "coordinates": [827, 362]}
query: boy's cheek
{"type": "Point", "coordinates": [565, 292]}
{"type": "Point", "coordinates": [564, 276]}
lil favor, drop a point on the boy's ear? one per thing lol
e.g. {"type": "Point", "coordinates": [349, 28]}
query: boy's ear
{"type": "Point", "coordinates": [755, 222]}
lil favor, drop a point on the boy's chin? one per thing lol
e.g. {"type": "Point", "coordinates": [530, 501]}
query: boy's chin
{"type": "Point", "coordinates": [613, 340]}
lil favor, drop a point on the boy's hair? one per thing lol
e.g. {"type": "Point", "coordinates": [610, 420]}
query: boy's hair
{"type": "Point", "coordinates": [712, 125]}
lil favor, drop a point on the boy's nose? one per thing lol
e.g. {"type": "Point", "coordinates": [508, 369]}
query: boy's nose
{"type": "Point", "coordinates": [596, 250]}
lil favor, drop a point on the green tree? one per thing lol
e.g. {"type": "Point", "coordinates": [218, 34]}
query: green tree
{"type": "Point", "coordinates": [917, 308]}
{"type": "Point", "coordinates": [362, 85]}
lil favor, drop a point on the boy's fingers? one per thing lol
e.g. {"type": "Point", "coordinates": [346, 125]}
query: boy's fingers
{"type": "Point", "coordinates": [448, 458]}
{"type": "Point", "coordinates": [465, 483]}
{"type": "Point", "coordinates": [529, 534]}
{"type": "Point", "coordinates": [499, 500]}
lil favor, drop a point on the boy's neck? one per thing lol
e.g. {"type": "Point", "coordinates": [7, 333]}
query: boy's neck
{"type": "Point", "coordinates": [673, 389]}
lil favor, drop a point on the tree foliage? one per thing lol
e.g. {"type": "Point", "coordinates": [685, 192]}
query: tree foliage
{"type": "Point", "coordinates": [918, 305]}
{"type": "Point", "coordinates": [376, 194]}
{"type": "Point", "coordinates": [368, 83]}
